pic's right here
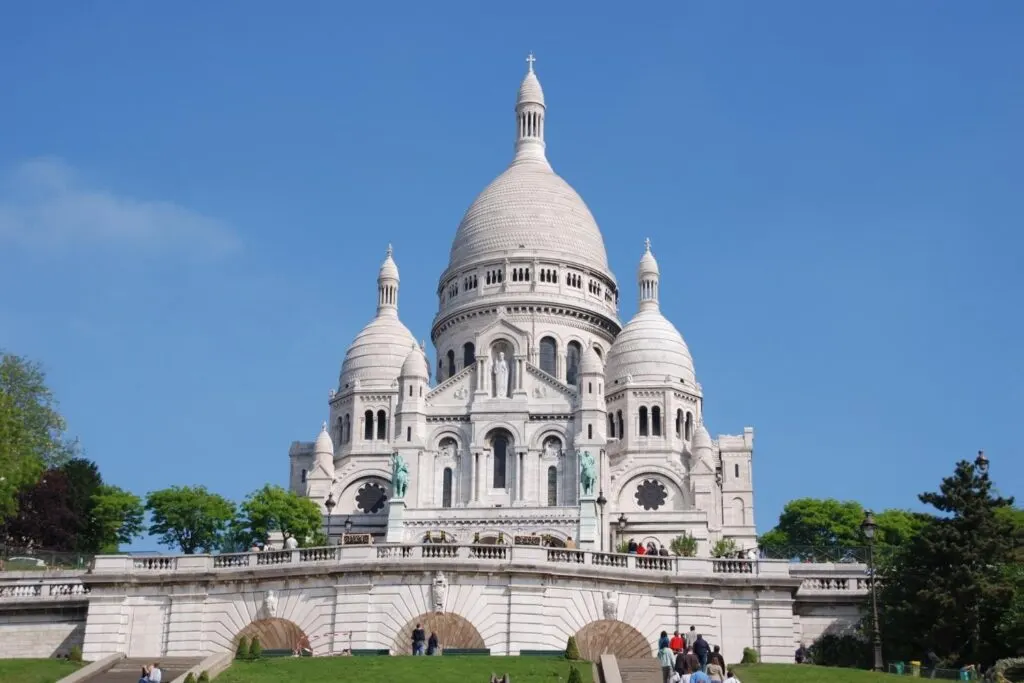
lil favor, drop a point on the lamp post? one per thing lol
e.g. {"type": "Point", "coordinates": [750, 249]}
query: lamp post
{"type": "Point", "coordinates": [868, 528]}
{"type": "Point", "coordinates": [348, 527]}
{"type": "Point", "coordinates": [329, 504]}
{"type": "Point", "coordinates": [601, 502]}
{"type": "Point", "coordinates": [622, 522]}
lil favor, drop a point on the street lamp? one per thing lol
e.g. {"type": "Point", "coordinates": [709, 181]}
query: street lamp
{"type": "Point", "coordinates": [982, 462]}
{"type": "Point", "coordinates": [601, 502]}
{"type": "Point", "coordinates": [348, 525]}
{"type": "Point", "coordinates": [329, 504]}
{"type": "Point", "coordinates": [868, 528]}
{"type": "Point", "coordinates": [622, 522]}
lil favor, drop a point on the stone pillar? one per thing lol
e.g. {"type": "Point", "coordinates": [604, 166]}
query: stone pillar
{"type": "Point", "coordinates": [474, 465]}
{"type": "Point", "coordinates": [773, 626]}
{"type": "Point", "coordinates": [396, 522]}
{"type": "Point", "coordinates": [521, 477]}
{"type": "Point", "coordinates": [352, 616]}
{"type": "Point", "coordinates": [106, 628]}
{"type": "Point", "coordinates": [525, 613]}
{"type": "Point", "coordinates": [185, 625]}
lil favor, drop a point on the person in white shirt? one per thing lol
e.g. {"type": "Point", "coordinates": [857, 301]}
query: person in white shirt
{"type": "Point", "coordinates": [290, 543]}
{"type": "Point", "coordinates": [731, 678]}
{"type": "Point", "coordinates": [155, 674]}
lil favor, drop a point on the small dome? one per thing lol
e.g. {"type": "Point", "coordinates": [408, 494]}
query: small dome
{"type": "Point", "coordinates": [648, 264]}
{"type": "Point", "coordinates": [591, 363]}
{"type": "Point", "coordinates": [388, 269]}
{"type": "Point", "coordinates": [649, 349]}
{"type": "Point", "coordinates": [377, 354]}
{"type": "Point", "coordinates": [415, 364]}
{"type": "Point", "coordinates": [701, 439]}
{"type": "Point", "coordinates": [530, 90]}
{"type": "Point", "coordinates": [324, 445]}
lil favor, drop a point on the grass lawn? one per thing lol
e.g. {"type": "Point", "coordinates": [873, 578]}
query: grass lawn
{"type": "Point", "coordinates": [794, 673]}
{"type": "Point", "coordinates": [394, 669]}
{"type": "Point", "coordinates": [36, 670]}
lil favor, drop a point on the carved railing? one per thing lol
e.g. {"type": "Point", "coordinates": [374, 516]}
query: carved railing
{"type": "Point", "coordinates": [55, 590]}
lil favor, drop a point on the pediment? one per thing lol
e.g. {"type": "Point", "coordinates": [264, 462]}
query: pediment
{"type": "Point", "coordinates": [457, 390]}
{"type": "Point", "coordinates": [543, 388]}
{"type": "Point", "coordinates": [503, 329]}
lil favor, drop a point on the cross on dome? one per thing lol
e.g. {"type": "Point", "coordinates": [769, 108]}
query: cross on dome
{"type": "Point", "coordinates": [390, 250]}
{"type": "Point", "coordinates": [530, 59]}
{"type": "Point", "coordinates": [647, 245]}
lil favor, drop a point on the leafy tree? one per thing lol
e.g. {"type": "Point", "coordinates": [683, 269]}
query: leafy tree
{"type": "Point", "coordinates": [31, 429]}
{"type": "Point", "coordinates": [255, 648]}
{"type": "Point", "coordinates": [274, 509]}
{"type": "Point", "coordinates": [190, 518]}
{"type": "Point", "coordinates": [84, 482]}
{"type": "Point", "coordinates": [948, 589]}
{"type": "Point", "coordinates": [116, 518]}
{"type": "Point", "coordinates": [572, 650]}
{"type": "Point", "coordinates": [242, 651]}
{"type": "Point", "coordinates": [44, 519]}
{"type": "Point", "coordinates": [684, 546]}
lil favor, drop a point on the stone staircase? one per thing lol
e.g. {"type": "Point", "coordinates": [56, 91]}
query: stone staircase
{"type": "Point", "coordinates": [129, 670]}
{"type": "Point", "coordinates": [646, 670]}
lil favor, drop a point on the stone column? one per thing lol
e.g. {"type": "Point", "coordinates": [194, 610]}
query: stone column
{"type": "Point", "coordinates": [521, 477]}
{"type": "Point", "coordinates": [474, 465]}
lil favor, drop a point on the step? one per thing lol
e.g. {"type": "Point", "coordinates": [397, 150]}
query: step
{"type": "Point", "coordinates": [129, 670]}
{"type": "Point", "coordinates": [640, 670]}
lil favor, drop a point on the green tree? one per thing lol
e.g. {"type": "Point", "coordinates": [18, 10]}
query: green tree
{"type": "Point", "coordinates": [684, 545]}
{"type": "Point", "coordinates": [117, 517]}
{"type": "Point", "coordinates": [948, 589]}
{"type": "Point", "coordinates": [84, 482]}
{"type": "Point", "coordinates": [189, 518]}
{"type": "Point", "coordinates": [274, 509]}
{"type": "Point", "coordinates": [32, 431]}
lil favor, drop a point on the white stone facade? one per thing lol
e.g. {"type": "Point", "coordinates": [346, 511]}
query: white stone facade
{"type": "Point", "coordinates": [533, 369]}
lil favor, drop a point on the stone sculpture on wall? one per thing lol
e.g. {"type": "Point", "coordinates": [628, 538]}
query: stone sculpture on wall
{"type": "Point", "coordinates": [399, 475]}
{"type": "Point", "coordinates": [501, 376]}
{"type": "Point", "coordinates": [588, 472]}
{"type": "Point", "coordinates": [439, 591]}
{"type": "Point", "coordinates": [611, 605]}
{"type": "Point", "coordinates": [270, 604]}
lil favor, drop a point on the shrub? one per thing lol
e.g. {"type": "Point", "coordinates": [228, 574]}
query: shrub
{"type": "Point", "coordinates": [850, 650]}
{"type": "Point", "coordinates": [750, 656]}
{"type": "Point", "coordinates": [75, 655]}
{"type": "Point", "coordinates": [243, 649]}
{"type": "Point", "coordinates": [572, 650]}
{"type": "Point", "coordinates": [203, 677]}
{"type": "Point", "coordinates": [724, 547]}
{"type": "Point", "coordinates": [191, 678]}
{"type": "Point", "coordinates": [684, 546]}
{"type": "Point", "coordinates": [622, 547]}
{"type": "Point", "coordinates": [574, 675]}
{"type": "Point", "coordinates": [255, 649]}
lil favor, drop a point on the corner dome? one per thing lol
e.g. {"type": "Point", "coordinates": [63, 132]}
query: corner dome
{"type": "Point", "coordinates": [649, 349]}
{"type": "Point", "coordinates": [702, 439]}
{"type": "Point", "coordinates": [415, 364]}
{"type": "Point", "coordinates": [323, 445]}
{"type": "Point", "coordinates": [591, 363]}
{"type": "Point", "coordinates": [377, 354]}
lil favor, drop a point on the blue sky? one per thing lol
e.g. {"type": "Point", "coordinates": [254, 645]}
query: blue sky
{"type": "Point", "coordinates": [195, 199]}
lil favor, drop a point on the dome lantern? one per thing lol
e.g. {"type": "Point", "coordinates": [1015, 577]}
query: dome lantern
{"type": "Point", "coordinates": [648, 278]}
{"type": "Point", "coordinates": [387, 286]}
{"type": "Point", "coordinates": [530, 116]}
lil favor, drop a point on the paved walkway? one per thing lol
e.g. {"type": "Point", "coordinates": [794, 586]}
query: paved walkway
{"type": "Point", "coordinates": [130, 670]}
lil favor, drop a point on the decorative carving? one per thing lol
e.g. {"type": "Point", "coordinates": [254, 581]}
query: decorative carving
{"type": "Point", "coordinates": [270, 604]}
{"type": "Point", "coordinates": [331, 393]}
{"type": "Point", "coordinates": [588, 472]}
{"type": "Point", "coordinates": [399, 475]}
{"type": "Point", "coordinates": [460, 393]}
{"type": "Point", "coordinates": [611, 605]}
{"type": "Point", "coordinates": [501, 376]}
{"type": "Point", "coordinates": [539, 392]}
{"type": "Point", "coordinates": [371, 497]}
{"type": "Point", "coordinates": [439, 591]}
{"type": "Point", "coordinates": [651, 494]}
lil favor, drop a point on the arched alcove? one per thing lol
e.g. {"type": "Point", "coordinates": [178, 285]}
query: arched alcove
{"type": "Point", "coordinates": [275, 634]}
{"type": "Point", "coordinates": [452, 630]}
{"type": "Point", "coordinates": [613, 637]}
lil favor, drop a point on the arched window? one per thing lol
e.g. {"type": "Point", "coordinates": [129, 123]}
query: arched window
{"type": "Point", "coordinates": [368, 425]}
{"type": "Point", "coordinates": [382, 425]}
{"type": "Point", "coordinates": [611, 426]}
{"type": "Point", "coordinates": [468, 354]}
{"type": "Point", "coordinates": [656, 420]}
{"type": "Point", "coordinates": [408, 433]}
{"type": "Point", "coordinates": [622, 425]}
{"type": "Point", "coordinates": [346, 429]}
{"type": "Point", "coordinates": [440, 369]}
{"type": "Point", "coordinates": [599, 353]}
{"type": "Point", "coordinates": [451, 363]}
{"type": "Point", "coordinates": [643, 420]}
{"type": "Point", "coordinates": [590, 431]}
{"type": "Point", "coordinates": [303, 475]}
{"type": "Point", "coordinates": [410, 391]}
{"type": "Point", "coordinates": [548, 352]}
{"type": "Point", "coordinates": [341, 430]}
{"type": "Point", "coordinates": [679, 423]}
{"type": "Point", "coordinates": [737, 470]}
{"type": "Point", "coordinates": [500, 450]}
{"type": "Point", "coordinates": [446, 488]}
{"type": "Point", "coordinates": [590, 387]}
{"type": "Point", "coordinates": [689, 426]}
{"type": "Point", "coordinates": [572, 363]}
{"type": "Point", "coordinates": [552, 486]}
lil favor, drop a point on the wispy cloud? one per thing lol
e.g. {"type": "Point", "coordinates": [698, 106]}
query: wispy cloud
{"type": "Point", "coordinates": [43, 205]}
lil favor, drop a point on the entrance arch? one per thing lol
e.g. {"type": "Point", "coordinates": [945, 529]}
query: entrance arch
{"type": "Point", "coordinates": [275, 634]}
{"type": "Point", "coordinates": [612, 637]}
{"type": "Point", "coordinates": [452, 630]}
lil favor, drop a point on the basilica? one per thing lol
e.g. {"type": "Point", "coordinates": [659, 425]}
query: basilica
{"type": "Point", "coordinates": [545, 416]}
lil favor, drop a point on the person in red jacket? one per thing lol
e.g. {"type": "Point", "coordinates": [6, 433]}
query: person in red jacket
{"type": "Point", "coordinates": [676, 643]}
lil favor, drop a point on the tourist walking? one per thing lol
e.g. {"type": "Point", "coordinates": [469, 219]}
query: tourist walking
{"type": "Point", "coordinates": [432, 644]}
{"type": "Point", "coordinates": [676, 643]}
{"type": "Point", "coordinates": [702, 650]}
{"type": "Point", "coordinates": [715, 672]}
{"type": "Point", "coordinates": [731, 678]}
{"type": "Point", "coordinates": [717, 658]}
{"type": "Point", "coordinates": [418, 639]}
{"type": "Point", "coordinates": [691, 637]}
{"type": "Point", "coordinates": [663, 640]}
{"type": "Point", "coordinates": [667, 660]}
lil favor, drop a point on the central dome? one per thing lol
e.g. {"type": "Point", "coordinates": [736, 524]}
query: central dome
{"type": "Point", "coordinates": [529, 209]}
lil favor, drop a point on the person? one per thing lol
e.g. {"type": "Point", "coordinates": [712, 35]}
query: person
{"type": "Point", "coordinates": [291, 543]}
{"type": "Point", "coordinates": [631, 548]}
{"type": "Point", "coordinates": [144, 678]}
{"type": "Point", "coordinates": [933, 661]}
{"type": "Point", "coordinates": [640, 549]}
{"type": "Point", "coordinates": [432, 644]}
{"type": "Point", "coordinates": [702, 650]}
{"type": "Point", "coordinates": [663, 551]}
{"type": "Point", "coordinates": [676, 643]}
{"type": "Point", "coordinates": [570, 544]}
{"type": "Point", "coordinates": [652, 549]}
{"type": "Point", "coordinates": [699, 677]}
{"type": "Point", "coordinates": [717, 658]}
{"type": "Point", "coordinates": [418, 637]}
{"type": "Point", "coordinates": [691, 637]}
{"type": "Point", "coordinates": [155, 674]}
{"type": "Point", "coordinates": [666, 659]}
{"type": "Point", "coordinates": [715, 672]}
{"type": "Point", "coordinates": [663, 641]}
{"type": "Point", "coordinates": [730, 677]}
{"type": "Point", "coordinates": [801, 654]}
{"type": "Point", "coordinates": [691, 663]}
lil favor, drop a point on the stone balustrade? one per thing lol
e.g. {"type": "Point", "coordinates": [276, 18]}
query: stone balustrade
{"type": "Point", "coordinates": [17, 589]}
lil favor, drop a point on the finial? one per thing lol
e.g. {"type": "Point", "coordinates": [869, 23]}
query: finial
{"type": "Point", "coordinates": [323, 426]}
{"type": "Point", "coordinates": [423, 345]}
{"type": "Point", "coordinates": [647, 244]}
{"type": "Point", "coordinates": [530, 59]}
{"type": "Point", "coordinates": [390, 250]}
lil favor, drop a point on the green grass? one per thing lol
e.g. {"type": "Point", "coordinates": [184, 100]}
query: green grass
{"type": "Point", "coordinates": [35, 670]}
{"type": "Point", "coordinates": [806, 673]}
{"type": "Point", "coordinates": [396, 669]}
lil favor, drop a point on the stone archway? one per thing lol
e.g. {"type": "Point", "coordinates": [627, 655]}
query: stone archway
{"type": "Point", "coordinates": [275, 634]}
{"type": "Point", "coordinates": [613, 637]}
{"type": "Point", "coordinates": [452, 631]}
